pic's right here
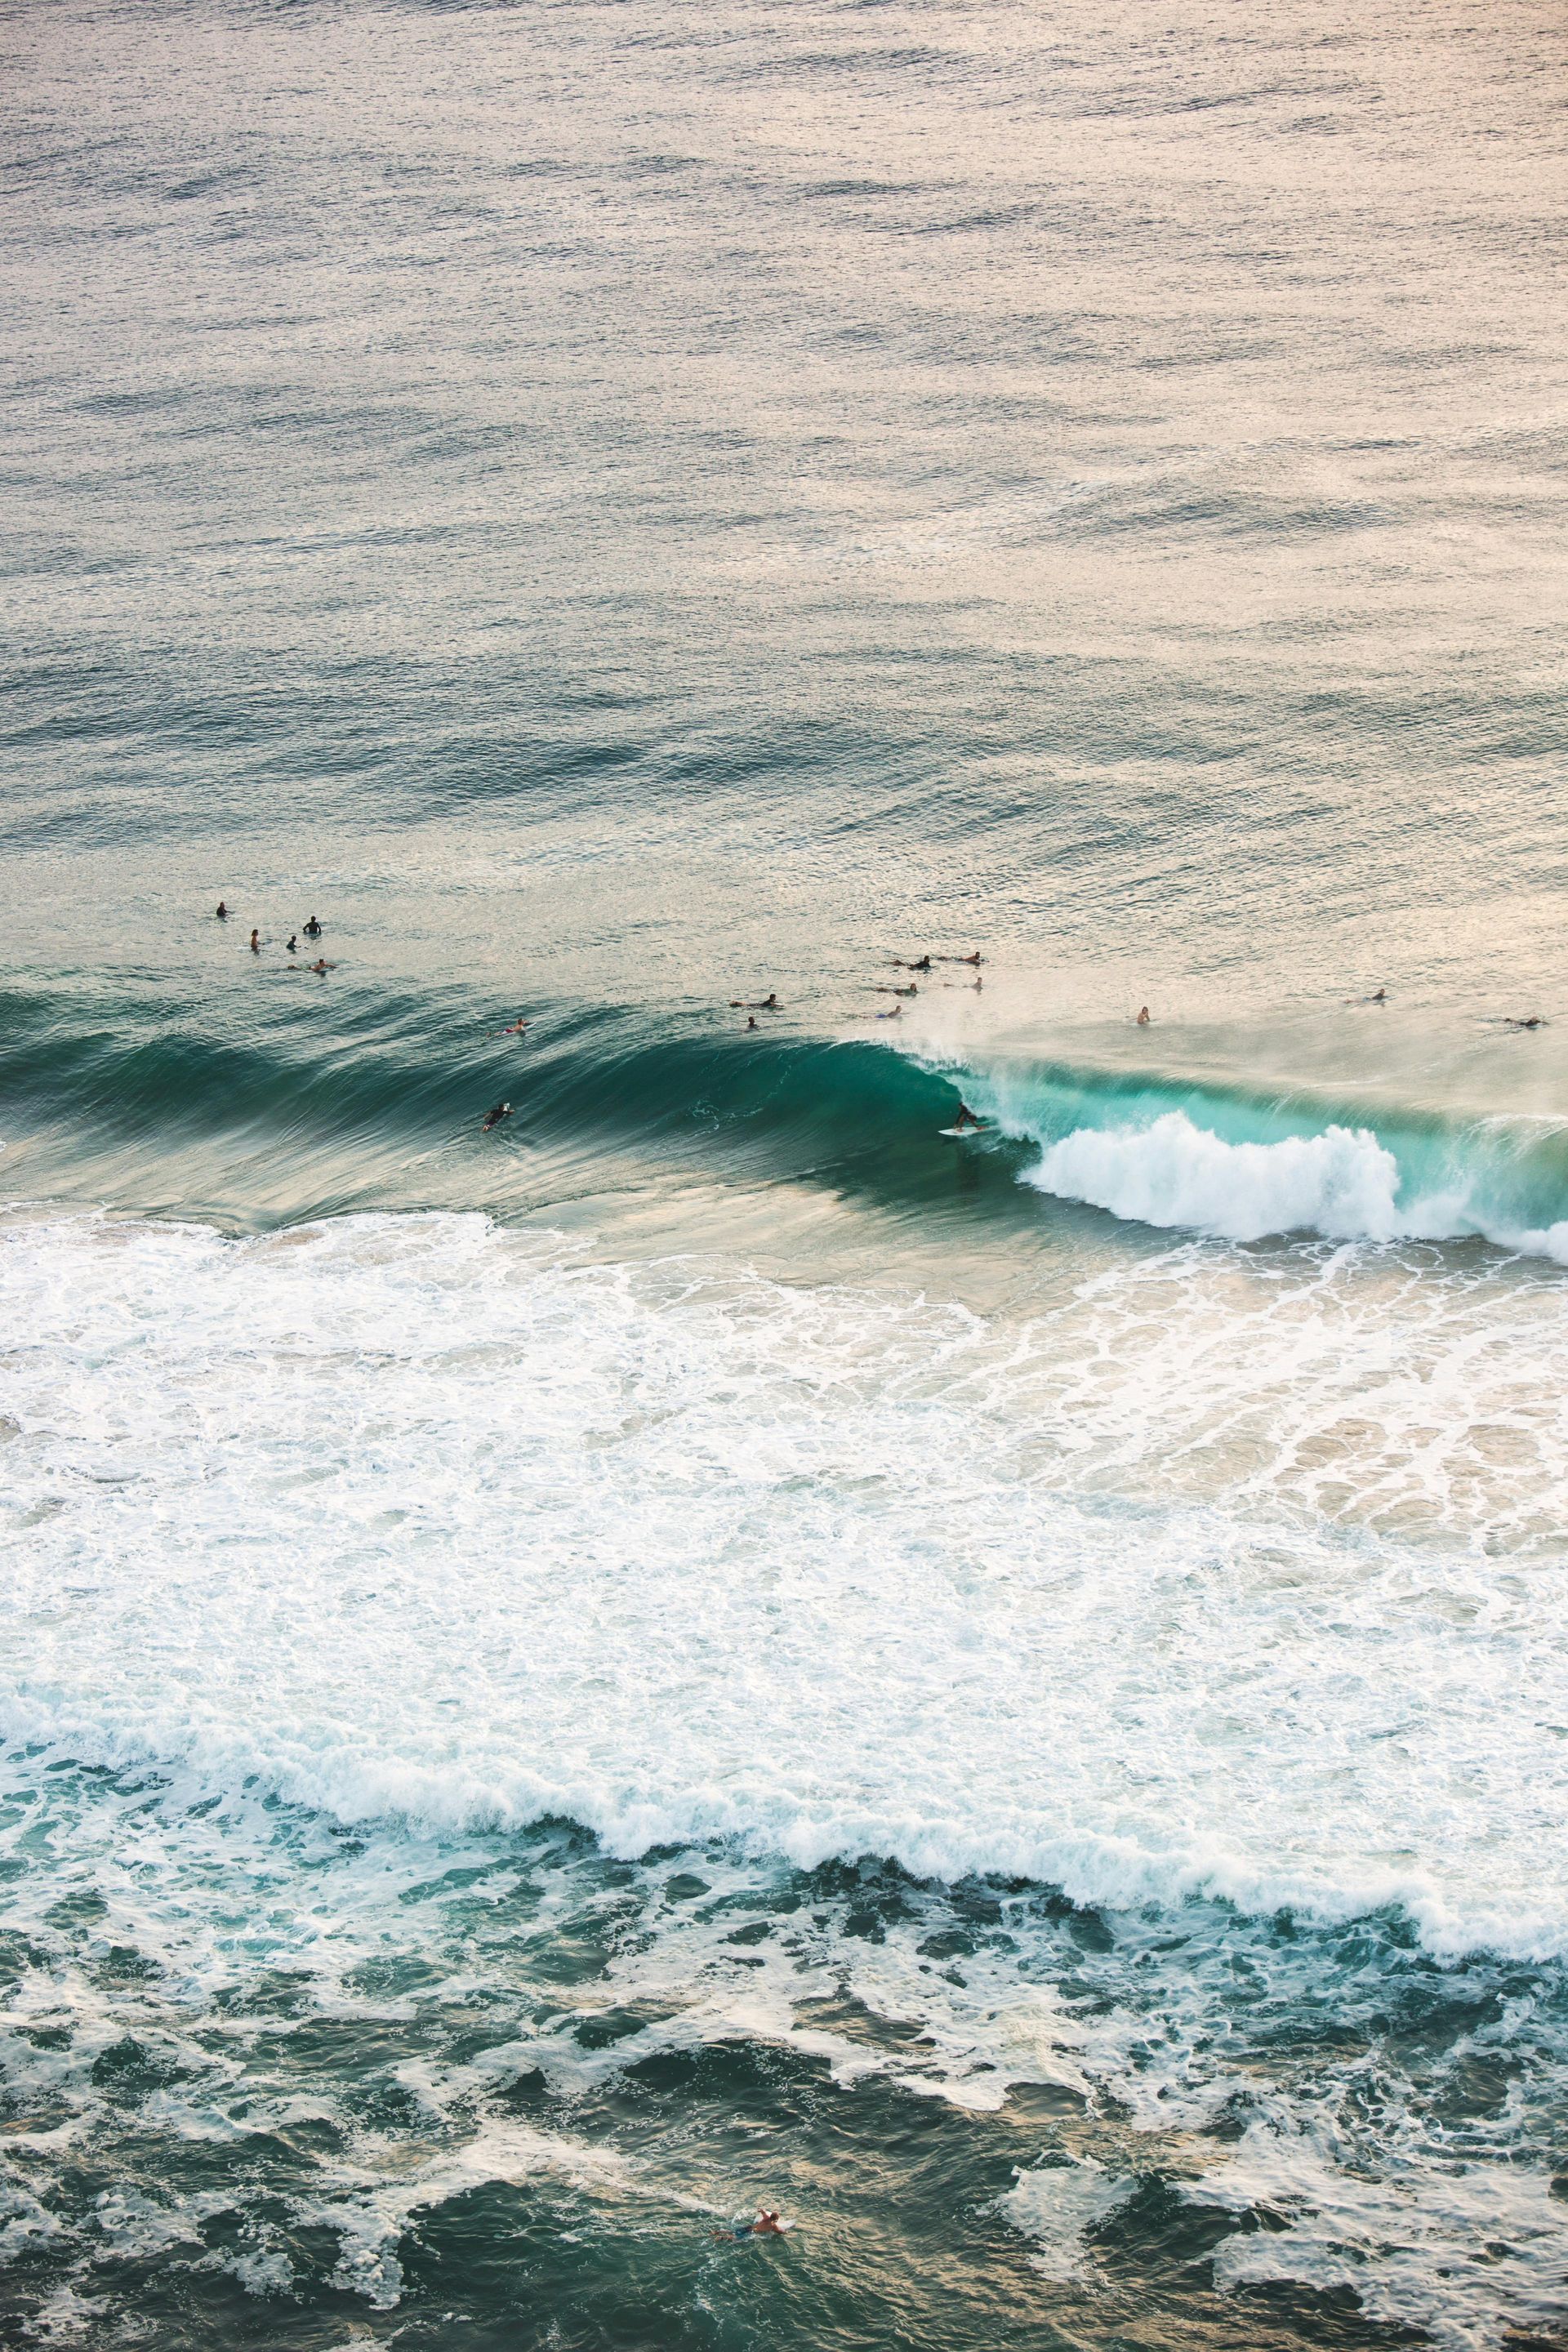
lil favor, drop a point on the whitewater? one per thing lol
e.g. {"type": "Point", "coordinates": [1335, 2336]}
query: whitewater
{"type": "Point", "coordinates": [420, 1517]}
{"type": "Point", "coordinates": [372, 1562]}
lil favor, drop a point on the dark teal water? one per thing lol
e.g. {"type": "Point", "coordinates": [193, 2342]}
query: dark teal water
{"type": "Point", "coordinates": [721, 1645]}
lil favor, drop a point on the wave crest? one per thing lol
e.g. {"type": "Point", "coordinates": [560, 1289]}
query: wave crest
{"type": "Point", "coordinates": [1343, 1182]}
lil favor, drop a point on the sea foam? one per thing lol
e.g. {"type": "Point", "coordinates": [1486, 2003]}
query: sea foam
{"type": "Point", "coordinates": [411, 1516]}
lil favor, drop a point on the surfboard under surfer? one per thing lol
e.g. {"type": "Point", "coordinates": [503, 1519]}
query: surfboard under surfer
{"type": "Point", "coordinates": [766, 2225]}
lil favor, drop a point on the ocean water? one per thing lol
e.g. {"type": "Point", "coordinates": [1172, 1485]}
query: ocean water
{"type": "Point", "coordinates": [721, 1645]}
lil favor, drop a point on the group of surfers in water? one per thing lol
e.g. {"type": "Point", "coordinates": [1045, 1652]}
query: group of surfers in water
{"type": "Point", "coordinates": [965, 1121]}
{"type": "Point", "coordinates": [311, 930]}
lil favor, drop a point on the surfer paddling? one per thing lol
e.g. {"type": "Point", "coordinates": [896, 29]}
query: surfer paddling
{"type": "Point", "coordinates": [768, 1004]}
{"type": "Point", "coordinates": [494, 1118]}
{"type": "Point", "coordinates": [516, 1028]}
{"type": "Point", "coordinates": [766, 2225]}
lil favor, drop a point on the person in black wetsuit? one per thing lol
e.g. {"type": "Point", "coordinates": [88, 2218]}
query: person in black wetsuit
{"type": "Point", "coordinates": [494, 1118]}
{"type": "Point", "coordinates": [313, 929]}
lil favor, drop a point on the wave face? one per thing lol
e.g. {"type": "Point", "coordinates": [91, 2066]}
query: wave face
{"type": "Point", "coordinates": [1242, 1167]}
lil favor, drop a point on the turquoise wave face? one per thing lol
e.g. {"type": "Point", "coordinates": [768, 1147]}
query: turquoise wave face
{"type": "Point", "coordinates": [1242, 1165]}
{"type": "Point", "coordinates": [323, 1106]}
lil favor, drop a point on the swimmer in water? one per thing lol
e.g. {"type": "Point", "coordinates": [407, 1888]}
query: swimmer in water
{"type": "Point", "coordinates": [1143, 1016]}
{"type": "Point", "coordinates": [256, 943]}
{"type": "Point", "coordinates": [222, 912]}
{"type": "Point", "coordinates": [313, 929]}
{"type": "Point", "coordinates": [974, 959]}
{"type": "Point", "coordinates": [769, 1003]}
{"type": "Point", "coordinates": [966, 1117]}
{"type": "Point", "coordinates": [1536, 1021]}
{"type": "Point", "coordinates": [494, 1118]}
{"type": "Point", "coordinates": [321, 967]}
{"type": "Point", "coordinates": [913, 990]}
{"type": "Point", "coordinates": [924, 964]}
{"type": "Point", "coordinates": [766, 2225]}
{"type": "Point", "coordinates": [291, 946]}
{"type": "Point", "coordinates": [1380, 998]}
{"type": "Point", "coordinates": [751, 1020]}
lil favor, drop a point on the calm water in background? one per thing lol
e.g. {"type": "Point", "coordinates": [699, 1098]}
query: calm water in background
{"type": "Point", "coordinates": [716, 1645]}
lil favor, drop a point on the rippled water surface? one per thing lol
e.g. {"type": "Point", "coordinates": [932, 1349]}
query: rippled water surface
{"type": "Point", "coordinates": [721, 1644]}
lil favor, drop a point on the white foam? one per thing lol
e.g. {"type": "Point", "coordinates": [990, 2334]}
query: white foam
{"type": "Point", "coordinates": [409, 1514]}
{"type": "Point", "coordinates": [1435, 2247]}
{"type": "Point", "coordinates": [1056, 2204]}
{"type": "Point", "coordinates": [1155, 2034]}
{"type": "Point", "coordinates": [1342, 1182]}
